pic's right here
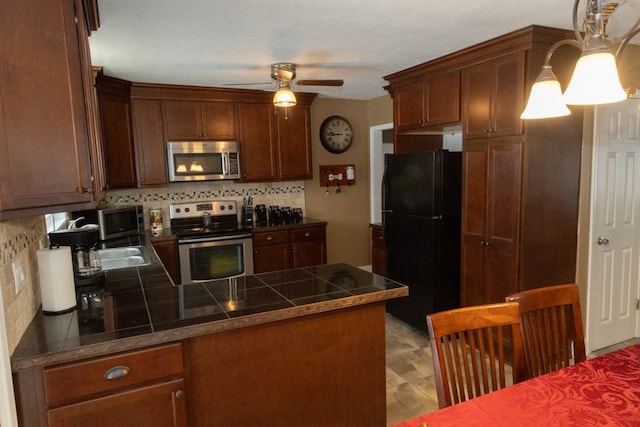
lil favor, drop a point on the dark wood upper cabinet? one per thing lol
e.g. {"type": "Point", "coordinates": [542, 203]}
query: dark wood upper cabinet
{"type": "Point", "coordinates": [46, 112]}
{"type": "Point", "coordinates": [258, 158]}
{"type": "Point", "coordinates": [151, 156]}
{"type": "Point", "coordinates": [199, 120]}
{"type": "Point", "coordinates": [493, 93]}
{"type": "Point", "coordinates": [275, 144]}
{"type": "Point", "coordinates": [433, 102]}
{"type": "Point", "coordinates": [114, 106]}
{"type": "Point", "coordinates": [294, 142]}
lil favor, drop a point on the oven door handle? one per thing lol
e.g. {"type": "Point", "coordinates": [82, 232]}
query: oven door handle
{"type": "Point", "coordinates": [214, 239]}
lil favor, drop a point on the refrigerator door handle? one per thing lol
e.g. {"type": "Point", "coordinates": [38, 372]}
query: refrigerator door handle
{"type": "Point", "coordinates": [385, 201]}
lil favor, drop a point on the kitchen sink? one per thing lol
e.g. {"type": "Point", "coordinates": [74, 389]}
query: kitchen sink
{"type": "Point", "coordinates": [130, 256]}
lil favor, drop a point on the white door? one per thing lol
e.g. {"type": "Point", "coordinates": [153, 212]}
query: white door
{"type": "Point", "coordinates": [615, 228]}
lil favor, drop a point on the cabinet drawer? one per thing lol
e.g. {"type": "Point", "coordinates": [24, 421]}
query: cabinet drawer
{"type": "Point", "coordinates": [307, 234]}
{"type": "Point", "coordinates": [81, 379]}
{"type": "Point", "coordinates": [270, 238]}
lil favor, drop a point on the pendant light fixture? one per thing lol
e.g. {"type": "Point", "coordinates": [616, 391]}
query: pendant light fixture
{"type": "Point", "coordinates": [595, 78]}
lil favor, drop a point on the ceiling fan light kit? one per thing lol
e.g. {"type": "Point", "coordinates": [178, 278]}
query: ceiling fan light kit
{"type": "Point", "coordinates": [595, 78]}
{"type": "Point", "coordinates": [285, 73]}
{"type": "Point", "coordinates": [284, 96]}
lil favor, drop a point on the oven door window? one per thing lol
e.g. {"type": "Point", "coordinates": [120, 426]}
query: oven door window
{"type": "Point", "coordinates": [194, 164]}
{"type": "Point", "coordinates": [216, 262]}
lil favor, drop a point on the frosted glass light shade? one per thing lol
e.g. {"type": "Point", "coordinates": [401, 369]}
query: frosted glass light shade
{"type": "Point", "coordinates": [595, 80]}
{"type": "Point", "coordinates": [545, 101]}
{"type": "Point", "coordinates": [284, 97]}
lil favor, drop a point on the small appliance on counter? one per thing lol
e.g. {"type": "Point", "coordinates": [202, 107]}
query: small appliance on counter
{"type": "Point", "coordinates": [261, 215]}
{"type": "Point", "coordinates": [84, 253]}
{"type": "Point", "coordinates": [113, 222]}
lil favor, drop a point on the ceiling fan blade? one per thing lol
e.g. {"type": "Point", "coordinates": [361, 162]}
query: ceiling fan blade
{"type": "Point", "coordinates": [248, 84]}
{"type": "Point", "coordinates": [319, 82]}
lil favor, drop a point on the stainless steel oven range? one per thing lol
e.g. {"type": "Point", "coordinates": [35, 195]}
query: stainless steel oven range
{"type": "Point", "coordinates": [211, 242]}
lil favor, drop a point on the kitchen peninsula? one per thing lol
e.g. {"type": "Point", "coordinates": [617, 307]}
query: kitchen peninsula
{"type": "Point", "coordinates": [295, 347]}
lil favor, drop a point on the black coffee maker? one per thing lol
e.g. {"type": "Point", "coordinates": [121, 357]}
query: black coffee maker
{"type": "Point", "coordinates": [84, 254]}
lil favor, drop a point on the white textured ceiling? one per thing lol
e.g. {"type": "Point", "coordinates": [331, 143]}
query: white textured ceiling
{"type": "Point", "coordinates": [220, 42]}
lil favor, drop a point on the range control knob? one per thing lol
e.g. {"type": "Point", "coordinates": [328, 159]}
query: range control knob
{"type": "Point", "coordinates": [230, 207]}
{"type": "Point", "coordinates": [187, 210]}
{"type": "Point", "coordinates": [177, 210]}
{"type": "Point", "coordinates": [221, 207]}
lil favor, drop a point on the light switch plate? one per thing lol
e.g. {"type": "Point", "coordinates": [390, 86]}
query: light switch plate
{"type": "Point", "coordinates": [18, 275]}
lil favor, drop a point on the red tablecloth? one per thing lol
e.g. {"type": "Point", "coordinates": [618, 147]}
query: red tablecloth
{"type": "Point", "coordinates": [604, 391]}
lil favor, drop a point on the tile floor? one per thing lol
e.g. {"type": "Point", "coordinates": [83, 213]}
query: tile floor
{"type": "Point", "coordinates": [410, 382]}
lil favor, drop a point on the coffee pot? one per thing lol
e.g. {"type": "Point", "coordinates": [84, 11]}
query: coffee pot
{"type": "Point", "coordinates": [84, 253]}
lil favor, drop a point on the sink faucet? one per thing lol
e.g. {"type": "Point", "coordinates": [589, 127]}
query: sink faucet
{"type": "Point", "coordinates": [72, 223]}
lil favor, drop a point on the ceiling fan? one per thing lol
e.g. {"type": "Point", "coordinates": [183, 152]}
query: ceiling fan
{"type": "Point", "coordinates": [284, 73]}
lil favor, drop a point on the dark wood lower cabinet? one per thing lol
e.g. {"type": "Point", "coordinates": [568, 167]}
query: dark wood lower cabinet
{"type": "Point", "coordinates": [167, 251]}
{"type": "Point", "coordinates": [275, 250]}
{"type": "Point", "coordinates": [321, 370]}
{"type": "Point", "coordinates": [158, 405]}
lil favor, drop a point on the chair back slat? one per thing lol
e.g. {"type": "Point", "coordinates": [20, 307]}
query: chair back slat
{"type": "Point", "coordinates": [470, 347]}
{"type": "Point", "coordinates": [551, 325]}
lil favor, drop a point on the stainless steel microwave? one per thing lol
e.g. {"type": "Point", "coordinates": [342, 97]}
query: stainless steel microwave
{"type": "Point", "coordinates": [113, 222]}
{"type": "Point", "coordinates": [203, 160]}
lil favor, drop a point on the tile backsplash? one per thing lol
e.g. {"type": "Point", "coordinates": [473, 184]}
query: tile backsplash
{"type": "Point", "coordinates": [21, 238]}
{"type": "Point", "coordinates": [288, 193]}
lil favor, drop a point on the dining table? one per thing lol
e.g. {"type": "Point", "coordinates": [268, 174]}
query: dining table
{"type": "Point", "coordinates": [603, 391]}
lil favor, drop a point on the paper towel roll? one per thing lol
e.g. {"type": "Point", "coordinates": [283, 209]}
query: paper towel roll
{"type": "Point", "coordinates": [56, 280]}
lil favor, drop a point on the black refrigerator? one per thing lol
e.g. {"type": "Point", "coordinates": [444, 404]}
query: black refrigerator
{"type": "Point", "coordinates": [421, 204]}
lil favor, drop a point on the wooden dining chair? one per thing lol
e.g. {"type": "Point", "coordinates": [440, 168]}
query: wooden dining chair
{"type": "Point", "coordinates": [551, 325]}
{"type": "Point", "coordinates": [472, 347]}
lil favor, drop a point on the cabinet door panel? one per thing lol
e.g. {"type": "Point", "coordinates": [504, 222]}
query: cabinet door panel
{"type": "Point", "coordinates": [293, 143]}
{"type": "Point", "coordinates": [409, 103]}
{"type": "Point", "coordinates": [307, 254]}
{"type": "Point", "coordinates": [443, 99]}
{"type": "Point", "coordinates": [151, 152]}
{"type": "Point", "coordinates": [476, 99]}
{"type": "Point", "coordinates": [271, 258]}
{"type": "Point", "coordinates": [43, 112]}
{"type": "Point", "coordinates": [218, 120]}
{"type": "Point", "coordinates": [256, 136]}
{"type": "Point", "coordinates": [507, 95]}
{"type": "Point", "coordinates": [153, 406]}
{"type": "Point", "coordinates": [119, 154]}
{"type": "Point", "coordinates": [183, 120]}
{"type": "Point", "coordinates": [474, 216]}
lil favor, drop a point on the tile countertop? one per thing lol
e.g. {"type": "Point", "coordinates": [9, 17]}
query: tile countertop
{"type": "Point", "coordinates": [142, 307]}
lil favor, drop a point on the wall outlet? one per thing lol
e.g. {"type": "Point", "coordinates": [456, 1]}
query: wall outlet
{"type": "Point", "coordinates": [18, 275]}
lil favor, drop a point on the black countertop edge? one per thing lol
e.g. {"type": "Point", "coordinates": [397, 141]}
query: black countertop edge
{"type": "Point", "coordinates": [359, 288]}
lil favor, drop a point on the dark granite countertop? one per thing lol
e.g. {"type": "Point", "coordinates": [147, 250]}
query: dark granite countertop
{"type": "Point", "coordinates": [142, 307]}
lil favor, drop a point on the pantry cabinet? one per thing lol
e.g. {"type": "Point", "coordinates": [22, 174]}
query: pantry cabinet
{"type": "Point", "coordinates": [493, 93]}
{"type": "Point", "coordinates": [199, 120]}
{"type": "Point", "coordinates": [521, 178]}
{"type": "Point", "coordinates": [46, 112]}
{"type": "Point", "coordinates": [491, 199]}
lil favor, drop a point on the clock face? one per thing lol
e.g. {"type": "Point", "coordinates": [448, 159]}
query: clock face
{"type": "Point", "coordinates": [336, 134]}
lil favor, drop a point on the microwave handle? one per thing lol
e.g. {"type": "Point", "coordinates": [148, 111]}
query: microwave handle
{"type": "Point", "coordinates": [225, 163]}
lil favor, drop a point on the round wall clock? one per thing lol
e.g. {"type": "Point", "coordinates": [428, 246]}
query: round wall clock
{"type": "Point", "coordinates": [336, 134]}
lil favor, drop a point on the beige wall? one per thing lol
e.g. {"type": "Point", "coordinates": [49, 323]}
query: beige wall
{"type": "Point", "coordinates": [346, 213]}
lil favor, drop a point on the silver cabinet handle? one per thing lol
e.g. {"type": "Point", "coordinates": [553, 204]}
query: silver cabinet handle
{"type": "Point", "coordinates": [602, 241]}
{"type": "Point", "coordinates": [178, 394]}
{"type": "Point", "coordinates": [307, 234]}
{"type": "Point", "coordinates": [116, 372]}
